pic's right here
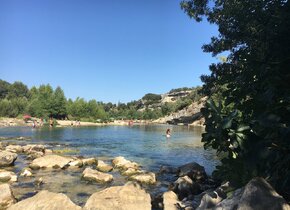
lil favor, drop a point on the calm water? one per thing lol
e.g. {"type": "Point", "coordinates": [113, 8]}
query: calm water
{"type": "Point", "coordinates": [146, 144]}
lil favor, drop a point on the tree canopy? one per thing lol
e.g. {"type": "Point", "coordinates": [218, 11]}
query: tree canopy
{"type": "Point", "coordinates": [247, 115]}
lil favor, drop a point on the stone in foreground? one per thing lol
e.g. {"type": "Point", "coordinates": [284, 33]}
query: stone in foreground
{"type": "Point", "coordinates": [6, 196]}
{"type": "Point", "coordinates": [102, 166]}
{"type": "Point", "coordinates": [7, 158]}
{"type": "Point", "coordinates": [120, 197]}
{"type": "Point", "coordinates": [90, 161]}
{"type": "Point", "coordinates": [147, 178]}
{"type": "Point", "coordinates": [14, 148]}
{"type": "Point", "coordinates": [7, 176]}
{"type": "Point", "coordinates": [122, 163]}
{"type": "Point", "coordinates": [97, 176]}
{"type": "Point", "coordinates": [50, 161]}
{"type": "Point", "coordinates": [195, 171]}
{"type": "Point", "coordinates": [257, 194]}
{"type": "Point", "coordinates": [170, 201]}
{"type": "Point", "coordinates": [45, 200]}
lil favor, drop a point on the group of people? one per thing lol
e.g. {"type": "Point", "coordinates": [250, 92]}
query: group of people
{"type": "Point", "coordinates": [40, 123]}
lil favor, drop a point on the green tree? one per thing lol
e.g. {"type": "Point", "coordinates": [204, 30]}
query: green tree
{"type": "Point", "coordinates": [17, 89]}
{"type": "Point", "coordinates": [4, 88]}
{"type": "Point", "coordinates": [59, 104]}
{"type": "Point", "coordinates": [249, 125]}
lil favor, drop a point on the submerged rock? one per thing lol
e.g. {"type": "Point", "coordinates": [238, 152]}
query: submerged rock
{"type": "Point", "coordinates": [50, 161]}
{"type": "Point", "coordinates": [131, 171]}
{"type": "Point", "coordinates": [193, 170]}
{"type": "Point", "coordinates": [6, 196]}
{"type": "Point", "coordinates": [120, 197]}
{"type": "Point", "coordinates": [45, 200]}
{"type": "Point", "coordinates": [7, 176]}
{"type": "Point", "coordinates": [122, 163]}
{"type": "Point", "coordinates": [7, 158]}
{"type": "Point", "coordinates": [26, 172]}
{"type": "Point", "coordinates": [102, 166]}
{"type": "Point", "coordinates": [97, 176]}
{"type": "Point", "coordinates": [147, 178]}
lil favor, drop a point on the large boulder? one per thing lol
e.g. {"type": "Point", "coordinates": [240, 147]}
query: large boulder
{"type": "Point", "coordinates": [7, 176]}
{"type": "Point", "coordinates": [102, 166]}
{"type": "Point", "coordinates": [184, 186]}
{"type": "Point", "coordinates": [147, 178]}
{"type": "Point", "coordinates": [97, 176]}
{"type": "Point", "coordinates": [45, 200]}
{"type": "Point", "coordinates": [256, 195]}
{"type": "Point", "coordinates": [119, 197]}
{"type": "Point", "coordinates": [170, 201]}
{"type": "Point", "coordinates": [7, 158]}
{"type": "Point", "coordinates": [122, 163]}
{"type": "Point", "coordinates": [76, 163]}
{"type": "Point", "coordinates": [195, 171]}
{"type": "Point", "coordinates": [6, 196]}
{"type": "Point", "coordinates": [14, 148]}
{"type": "Point", "coordinates": [89, 161]}
{"type": "Point", "coordinates": [50, 161]}
{"type": "Point", "coordinates": [31, 148]}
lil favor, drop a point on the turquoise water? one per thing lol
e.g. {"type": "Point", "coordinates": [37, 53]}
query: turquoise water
{"type": "Point", "coordinates": [145, 144]}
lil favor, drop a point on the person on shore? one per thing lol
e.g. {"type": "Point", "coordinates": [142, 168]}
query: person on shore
{"type": "Point", "coordinates": [168, 133]}
{"type": "Point", "coordinates": [33, 124]}
{"type": "Point", "coordinates": [51, 122]}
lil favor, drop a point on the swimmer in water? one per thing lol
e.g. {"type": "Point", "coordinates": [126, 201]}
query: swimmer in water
{"type": "Point", "coordinates": [168, 134]}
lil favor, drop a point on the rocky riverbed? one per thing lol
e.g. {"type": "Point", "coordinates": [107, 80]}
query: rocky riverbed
{"type": "Point", "coordinates": [35, 176]}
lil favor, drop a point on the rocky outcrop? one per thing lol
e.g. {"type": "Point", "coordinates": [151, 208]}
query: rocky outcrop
{"type": "Point", "coordinates": [7, 176]}
{"type": "Point", "coordinates": [122, 163]}
{"type": "Point", "coordinates": [102, 166]}
{"type": "Point", "coordinates": [146, 177]}
{"type": "Point", "coordinates": [97, 176]}
{"type": "Point", "coordinates": [7, 158]}
{"type": "Point", "coordinates": [50, 161]}
{"type": "Point", "coordinates": [193, 170]}
{"type": "Point", "coordinates": [190, 115]}
{"type": "Point", "coordinates": [170, 201]}
{"type": "Point", "coordinates": [257, 194]}
{"type": "Point", "coordinates": [45, 200]}
{"type": "Point", "coordinates": [6, 196]}
{"type": "Point", "coordinates": [120, 197]}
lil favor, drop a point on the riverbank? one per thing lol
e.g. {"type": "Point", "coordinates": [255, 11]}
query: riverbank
{"type": "Point", "coordinates": [15, 122]}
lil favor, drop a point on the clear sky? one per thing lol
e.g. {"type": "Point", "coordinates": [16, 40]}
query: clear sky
{"type": "Point", "coordinates": [107, 50]}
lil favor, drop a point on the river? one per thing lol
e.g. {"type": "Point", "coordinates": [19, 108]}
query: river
{"type": "Point", "coordinates": [144, 144]}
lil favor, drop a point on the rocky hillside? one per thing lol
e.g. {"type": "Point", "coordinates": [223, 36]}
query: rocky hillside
{"type": "Point", "coordinates": [179, 106]}
{"type": "Point", "coordinates": [189, 115]}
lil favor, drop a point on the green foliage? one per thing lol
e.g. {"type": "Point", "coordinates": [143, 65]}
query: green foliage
{"type": "Point", "coordinates": [251, 123]}
{"type": "Point", "coordinates": [179, 89]}
{"type": "Point", "coordinates": [151, 98]}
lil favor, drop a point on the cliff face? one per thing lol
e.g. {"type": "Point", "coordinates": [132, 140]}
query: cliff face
{"type": "Point", "coordinates": [190, 115]}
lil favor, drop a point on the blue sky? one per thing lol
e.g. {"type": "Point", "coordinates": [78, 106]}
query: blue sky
{"type": "Point", "coordinates": [105, 50]}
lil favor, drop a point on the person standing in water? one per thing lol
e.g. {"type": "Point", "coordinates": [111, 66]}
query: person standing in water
{"type": "Point", "coordinates": [168, 134]}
